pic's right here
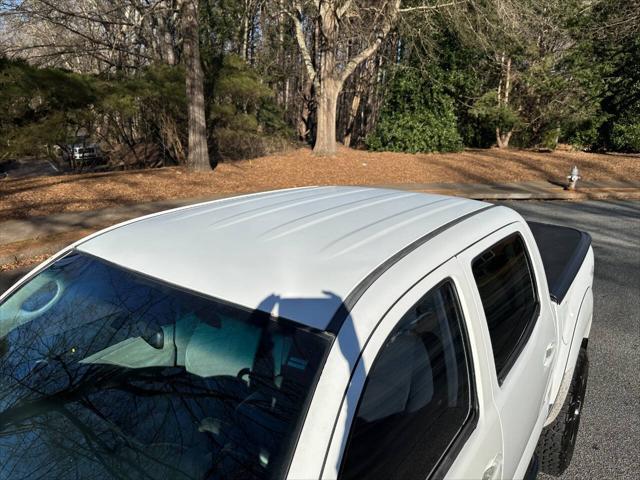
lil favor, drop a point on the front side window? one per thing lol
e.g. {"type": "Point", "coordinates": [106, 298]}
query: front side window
{"type": "Point", "coordinates": [505, 283]}
{"type": "Point", "coordinates": [107, 374]}
{"type": "Point", "coordinates": [417, 397]}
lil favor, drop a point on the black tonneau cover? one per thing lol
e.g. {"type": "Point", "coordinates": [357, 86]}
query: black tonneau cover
{"type": "Point", "coordinates": [563, 250]}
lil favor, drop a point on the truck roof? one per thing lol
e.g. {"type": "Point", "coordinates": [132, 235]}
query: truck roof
{"type": "Point", "coordinates": [265, 250]}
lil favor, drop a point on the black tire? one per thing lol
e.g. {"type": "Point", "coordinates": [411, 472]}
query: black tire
{"type": "Point", "coordinates": [558, 440]}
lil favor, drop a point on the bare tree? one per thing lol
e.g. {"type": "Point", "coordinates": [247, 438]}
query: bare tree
{"type": "Point", "coordinates": [345, 33]}
{"type": "Point", "coordinates": [98, 36]}
{"type": "Point", "coordinates": [91, 37]}
{"type": "Point", "coordinates": [329, 67]}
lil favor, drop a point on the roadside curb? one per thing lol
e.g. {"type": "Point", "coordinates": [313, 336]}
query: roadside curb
{"type": "Point", "coordinates": [563, 195]}
{"type": "Point", "coordinates": [534, 190]}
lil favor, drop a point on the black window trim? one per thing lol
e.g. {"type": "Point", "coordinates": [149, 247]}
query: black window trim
{"type": "Point", "coordinates": [531, 323]}
{"type": "Point", "coordinates": [471, 421]}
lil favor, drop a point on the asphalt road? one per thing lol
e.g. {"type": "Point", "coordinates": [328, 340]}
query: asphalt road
{"type": "Point", "coordinates": [608, 445]}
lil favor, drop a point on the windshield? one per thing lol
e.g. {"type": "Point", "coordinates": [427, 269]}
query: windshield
{"type": "Point", "coordinates": [108, 374]}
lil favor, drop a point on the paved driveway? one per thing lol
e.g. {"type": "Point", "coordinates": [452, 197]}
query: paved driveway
{"type": "Point", "coordinates": [609, 440]}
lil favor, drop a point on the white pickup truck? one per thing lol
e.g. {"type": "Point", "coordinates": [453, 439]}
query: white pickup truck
{"type": "Point", "coordinates": [312, 333]}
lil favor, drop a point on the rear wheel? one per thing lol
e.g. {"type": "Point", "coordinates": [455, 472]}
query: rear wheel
{"type": "Point", "coordinates": [558, 440]}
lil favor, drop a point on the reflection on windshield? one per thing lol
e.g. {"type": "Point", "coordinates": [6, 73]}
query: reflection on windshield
{"type": "Point", "coordinates": [105, 374]}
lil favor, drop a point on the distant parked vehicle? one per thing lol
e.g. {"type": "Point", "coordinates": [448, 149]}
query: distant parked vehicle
{"type": "Point", "coordinates": [89, 152]}
{"type": "Point", "coordinates": [83, 155]}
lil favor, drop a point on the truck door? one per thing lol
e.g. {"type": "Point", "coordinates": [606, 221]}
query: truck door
{"type": "Point", "coordinates": [512, 299]}
{"type": "Point", "coordinates": [419, 404]}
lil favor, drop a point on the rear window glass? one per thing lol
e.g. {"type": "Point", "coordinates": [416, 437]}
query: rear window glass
{"type": "Point", "coordinates": [505, 282]}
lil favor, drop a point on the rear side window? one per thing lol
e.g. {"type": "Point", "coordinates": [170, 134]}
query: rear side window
{"type": "Point", "coordinates": [505, 281]}
{"type": "Point", "coordinates": [418, 395]}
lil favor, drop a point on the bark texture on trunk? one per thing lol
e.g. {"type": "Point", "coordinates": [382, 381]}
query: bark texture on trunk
{"type": "Point", "coordinates": [503, 137]}
{"type": "Point", "coordinates": [351, 120]}
{"type": "Point", "coordinates": [198, 156]}
{"type": "Point", "coordinates": [328, 87]}
{"type": "Point", "coordinates": [326, 129]}
{"type": "Point", "coordinates": [303, 122]}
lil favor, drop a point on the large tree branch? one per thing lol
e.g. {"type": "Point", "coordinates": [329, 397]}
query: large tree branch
{"type": "Point", "coordinates": [353, 63]}
{"type": "Point", "coordinates": [302, 43]}
{"type": "Point", "coordinates": [389, 22]}
{"type": "Point", "coordinates": [344, 9]}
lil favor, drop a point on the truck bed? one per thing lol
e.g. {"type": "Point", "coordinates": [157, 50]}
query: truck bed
{"type": "Point", "coordinates": [563, 250]}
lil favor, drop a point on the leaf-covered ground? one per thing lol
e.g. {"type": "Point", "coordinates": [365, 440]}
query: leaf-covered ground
{"type": "Point", "coordinates": [23, 198]}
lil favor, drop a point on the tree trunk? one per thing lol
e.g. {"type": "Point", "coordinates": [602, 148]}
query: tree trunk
{"type": "Point", "coordinates": [303, 120]}
{"type": "Point", "coordinates": [353, 112]}
{"type": "Point", "coordinates": [502, 138]}
{"type": "Point", "coordinates": [507, 82]}
{"type": "Point", "coordinates": [198, 157]}
{"type": "Point", "coordinates": [164, 37]}
{"type": "Point", "coordinates": [326, 113]}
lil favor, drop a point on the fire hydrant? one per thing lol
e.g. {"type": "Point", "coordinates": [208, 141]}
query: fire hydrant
{"type": "Point", "coordinates": [573, 178]}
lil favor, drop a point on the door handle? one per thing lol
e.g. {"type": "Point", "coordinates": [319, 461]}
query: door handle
{"type": "Point", "coordinates": [494, 469]}
{"type": "Point", "coordinates": [549, 353]}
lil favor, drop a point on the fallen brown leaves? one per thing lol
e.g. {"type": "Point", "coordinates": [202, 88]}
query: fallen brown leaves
{"type": "Point", "coordinates": [45, 195]}
{"type": "Point", "coordinates": [24, 262]}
